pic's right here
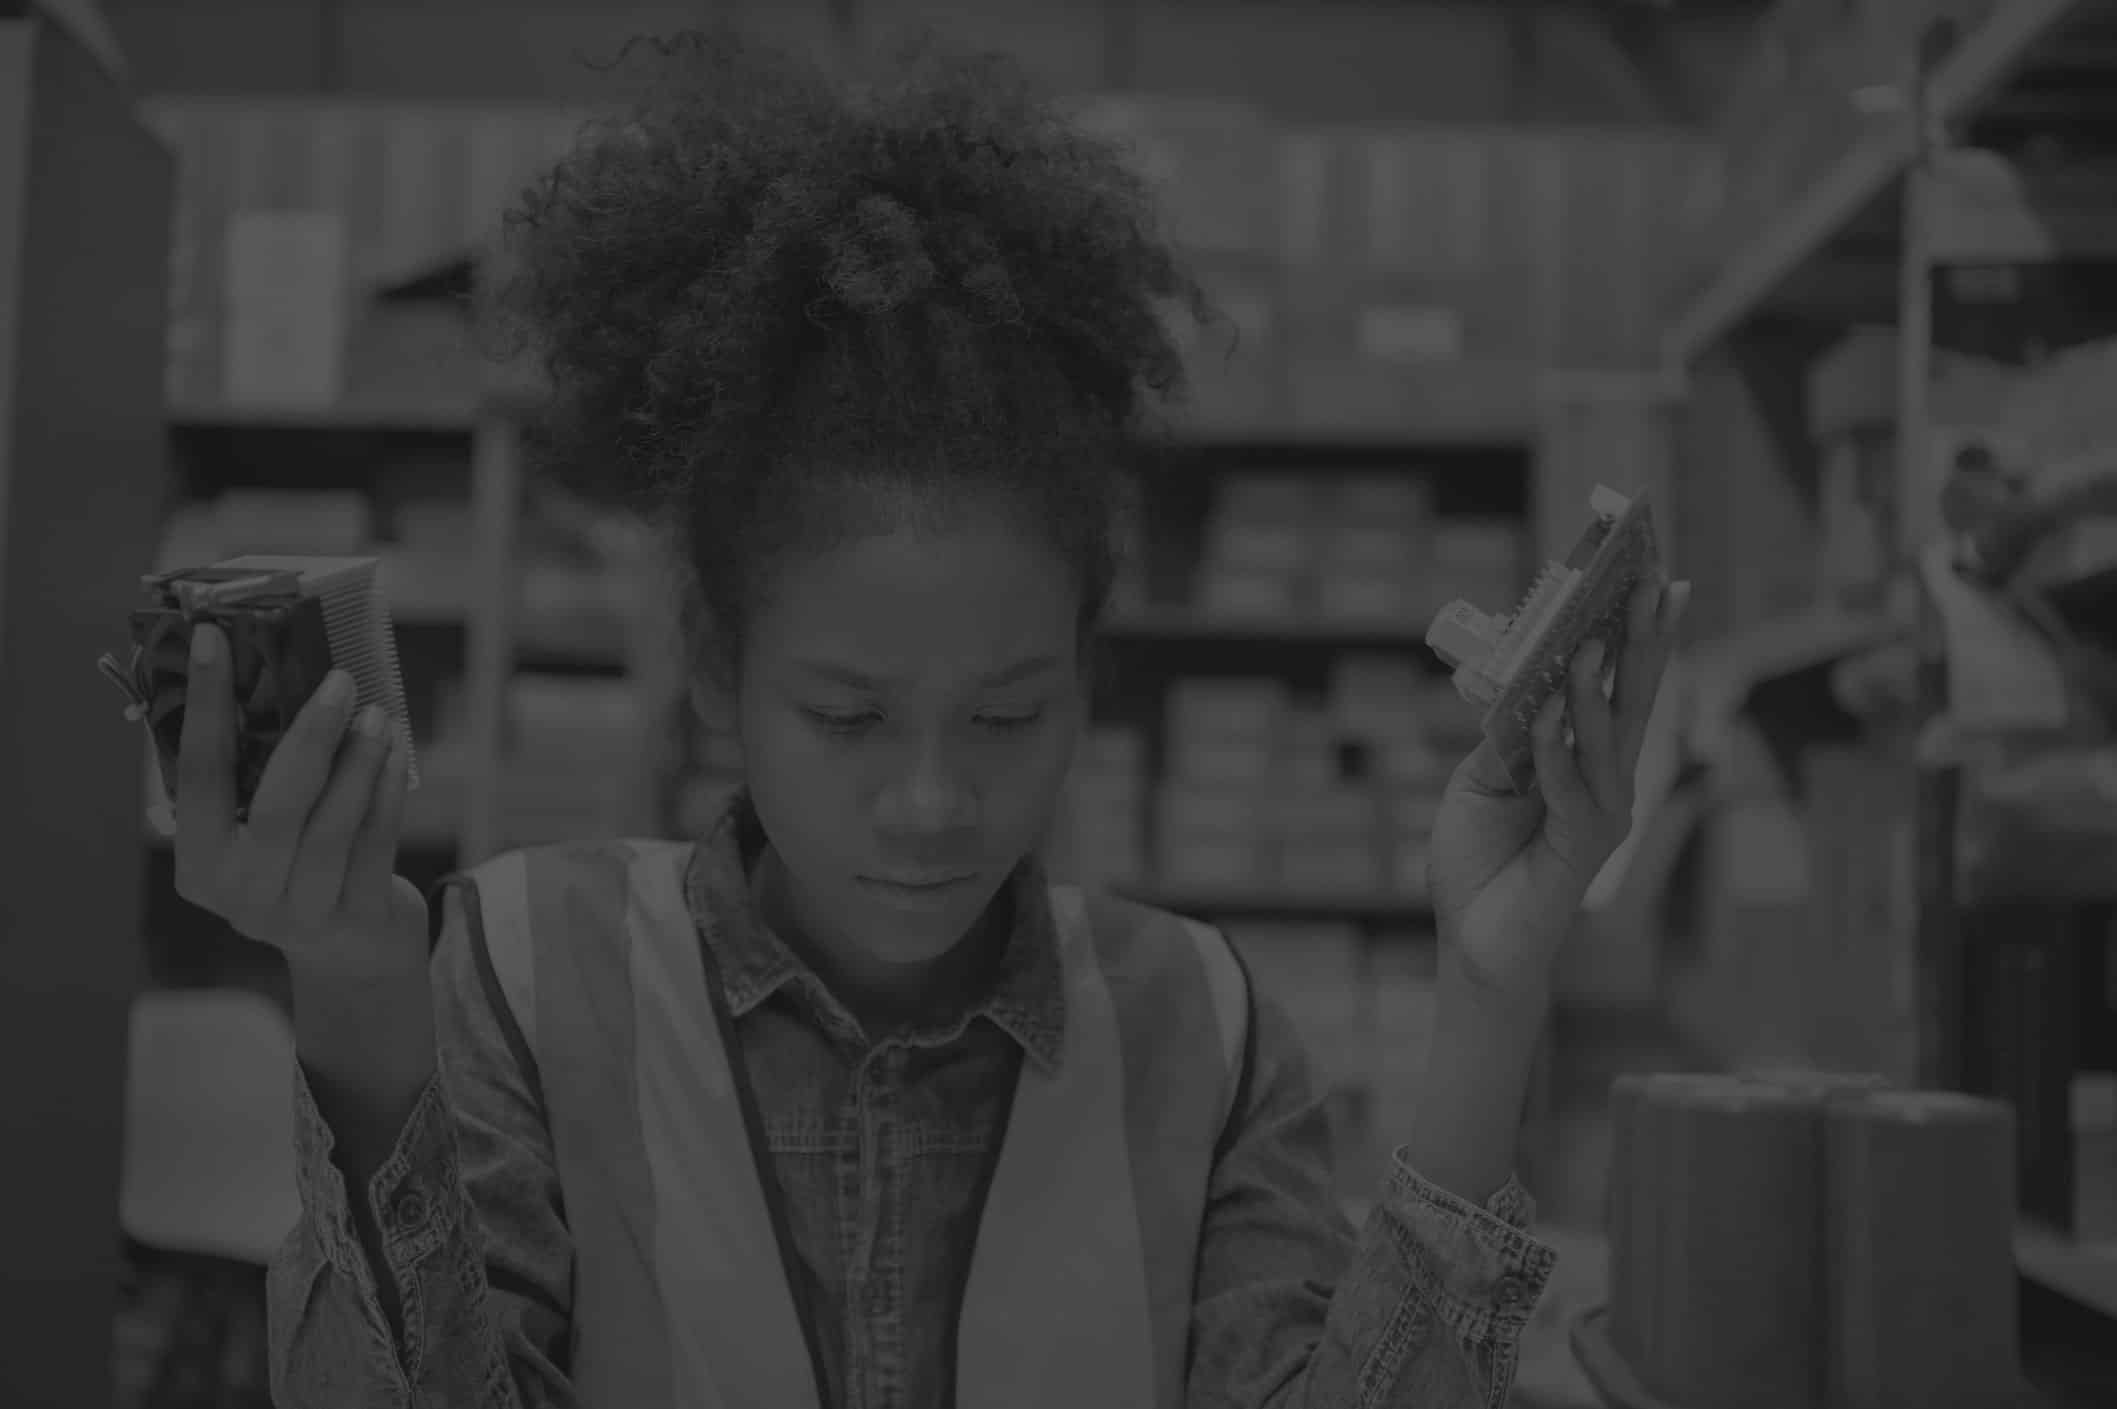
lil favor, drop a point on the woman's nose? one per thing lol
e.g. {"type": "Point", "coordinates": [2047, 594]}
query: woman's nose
{"type": "Point", "coordinates": [929, 790]}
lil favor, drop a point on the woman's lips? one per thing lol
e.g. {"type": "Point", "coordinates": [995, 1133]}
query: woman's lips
{"type": "Point", "coordinates": [918, 892]}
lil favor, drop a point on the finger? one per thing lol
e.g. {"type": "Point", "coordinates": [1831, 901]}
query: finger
{"type": "Point", "coordinates": [373, 857]}
{"type": "Point", "coordinates": [205, 762]}
{"type": "Point", "coordinates": [1557, 774]}
{"type": "Point", "coordinates": [318, 873]}
{"type": "Point", "coordinates": [1674, 603]}
{"type": "Point", "coordinates": [295, 777]}
{"type": "Point", "coordinates": [1640, 612]}
{"type": "Point", "coordinates": [1595, 749]}
{"type": "Point", "coordinates": [1646, 657]}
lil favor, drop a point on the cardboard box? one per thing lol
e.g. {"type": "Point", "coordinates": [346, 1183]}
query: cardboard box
{"type": "Point", "coordinates": [286, 308]}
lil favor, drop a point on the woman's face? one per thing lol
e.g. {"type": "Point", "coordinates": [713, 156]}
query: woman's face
{"type": "Point", "coordinates": [908, 706]}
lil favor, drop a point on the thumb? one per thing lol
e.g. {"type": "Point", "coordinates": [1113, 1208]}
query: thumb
{"type": "Point", "coordinates": [409, 916]}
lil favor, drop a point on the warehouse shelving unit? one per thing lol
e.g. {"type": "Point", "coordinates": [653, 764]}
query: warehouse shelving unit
{"type": "Point", "coordinates": [1871, 239]}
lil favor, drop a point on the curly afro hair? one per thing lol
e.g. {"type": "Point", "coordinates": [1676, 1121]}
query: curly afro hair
{"type": "Point", "coordinates": [772, 306]}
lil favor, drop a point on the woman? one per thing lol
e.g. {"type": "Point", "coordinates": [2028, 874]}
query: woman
{"type": "Point", "coordinates": [842, 1103]}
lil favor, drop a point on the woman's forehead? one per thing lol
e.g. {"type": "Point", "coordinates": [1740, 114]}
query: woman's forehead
{"type": "Point", "coordinates": [972, 598]}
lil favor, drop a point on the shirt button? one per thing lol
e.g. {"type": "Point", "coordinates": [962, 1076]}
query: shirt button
{"type": "Point", "coordinates": [1511, 1293]}
{"type": "Point", "coordinates": [411, 1211]}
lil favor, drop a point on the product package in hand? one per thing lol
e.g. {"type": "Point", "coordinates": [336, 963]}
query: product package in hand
{"type": "Point", "coordinates": [288, 621]}
{"type": "Point", "coordinates": [1509, 665]}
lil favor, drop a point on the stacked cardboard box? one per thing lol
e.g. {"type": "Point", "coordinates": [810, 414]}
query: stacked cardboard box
{"type": "Point", "coordinates": [1330, 797]}
{"type": "Point", "coordinates": [1217, 805]}
{"type": "Point", "coordinates": [1328, 840]}
{"type": "Point", "coordinates": [1106, 807]}
{"type": "Point", "coordinates": [1409, 730]}
{"type": "Point", "coordinates": [1372, 563]}
{"type": "Point", "coordinates": [1260, 548]}
{"type": "Point", "coordinates": [1355, 550]}
{"type": "Point", "coordinates": [1477, 558]}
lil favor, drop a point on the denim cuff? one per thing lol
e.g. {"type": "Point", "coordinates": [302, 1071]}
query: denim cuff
{"type": "Point", "coordinates": [1478, 1266]}
{"type": "Point", "coordinates": [410, 1194]}
{"type": "Point", "coordinates": [405, 1195]}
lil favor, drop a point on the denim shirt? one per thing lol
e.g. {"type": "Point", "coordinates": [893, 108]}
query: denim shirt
{"type": "Point", "coordinates": [878, 1148]}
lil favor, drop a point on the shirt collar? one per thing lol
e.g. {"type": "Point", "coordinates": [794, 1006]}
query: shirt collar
{"type": "Point", "coordinates": [1027, 999]}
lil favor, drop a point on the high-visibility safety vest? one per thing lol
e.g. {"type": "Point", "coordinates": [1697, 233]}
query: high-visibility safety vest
{"type": "Point", "coordinates": [1080, 1287]}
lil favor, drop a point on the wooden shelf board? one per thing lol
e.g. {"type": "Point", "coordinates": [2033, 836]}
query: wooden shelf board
{"type": "Point", "coordinates": [447, 417]}
{"type": "Point", "coordinates": [2086, 1272]}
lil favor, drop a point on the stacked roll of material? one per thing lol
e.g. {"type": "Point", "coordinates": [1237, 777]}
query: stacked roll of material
{"type": "Point", "coordinates": [1641, 1183]}
{"type": "Point", "coordinates": [1821, 1085]}
{"type": "Point", "coordinates": [1640, 1179]}
{"type": "Point", "coordinates": [1630, 1291]}
{"type": "Point", "coordinates": [1820, 1089]}
{"type": "Point", "coordinates": [1920, 1223]}
{"type": "Point", "coordinates": [1738, 1324]}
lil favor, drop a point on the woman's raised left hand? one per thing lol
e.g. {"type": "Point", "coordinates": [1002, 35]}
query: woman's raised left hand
{"type": "Point", "coordinates": [1508, 870]}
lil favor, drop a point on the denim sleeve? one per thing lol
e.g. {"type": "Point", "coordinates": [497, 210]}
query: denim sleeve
{"type": "Point", "coordinates": [473, 1239]}
{"type": "Point", "coordinates": [1423, 1308]}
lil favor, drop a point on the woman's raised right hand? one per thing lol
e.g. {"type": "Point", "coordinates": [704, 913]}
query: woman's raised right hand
{"type": "Point", "coordinates": [313, 871]}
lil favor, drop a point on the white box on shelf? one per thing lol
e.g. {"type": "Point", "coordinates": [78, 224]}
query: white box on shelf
{"type": "Point", "coordinates": [286, 312]}
{"type": "Point", "coordinates": [328, 522]}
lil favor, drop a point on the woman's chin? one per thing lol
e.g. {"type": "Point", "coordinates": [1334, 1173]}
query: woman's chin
{"type": "Point", "coordinates": [920, 922]}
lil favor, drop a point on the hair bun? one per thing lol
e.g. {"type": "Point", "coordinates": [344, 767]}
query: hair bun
{"type": "Point", "coordinates": [878, 261]}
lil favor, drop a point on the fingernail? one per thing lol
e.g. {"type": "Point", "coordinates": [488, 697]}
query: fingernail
{"type": "Point", "coordinates": [337, 689]}
{"type": "Point", "coordinates": [370, 722]}
{"type": "Point", "coordinates": [205, 645]}
{"type": "Point", "coordinates": [1591, 657]}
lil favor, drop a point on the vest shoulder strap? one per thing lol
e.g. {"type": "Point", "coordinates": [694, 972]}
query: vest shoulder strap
{"type": "Point", "coordinates": [1226, 980]}
{"type": "Point", "coordinates": [1229, 985]}
{"type": "Point", "coordinates": [503, 920]}
{"type": "Point", "coordinates": [496, 907]}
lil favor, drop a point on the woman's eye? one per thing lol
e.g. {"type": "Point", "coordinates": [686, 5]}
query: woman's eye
{"type": "Point", "coordinates": [1011, 721]}
{"type": "Point", "coordinates": [843, 723]}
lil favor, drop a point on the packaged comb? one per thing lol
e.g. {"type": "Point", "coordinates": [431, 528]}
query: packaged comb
{"type": "Point", "coordinates": [1510, 665]}
{"type": "Point", "coordinates": [289, 621]}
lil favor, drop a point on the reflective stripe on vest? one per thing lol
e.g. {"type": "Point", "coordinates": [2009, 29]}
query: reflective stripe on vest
{"type": "Point", "coordinates": [1080, 1283]}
